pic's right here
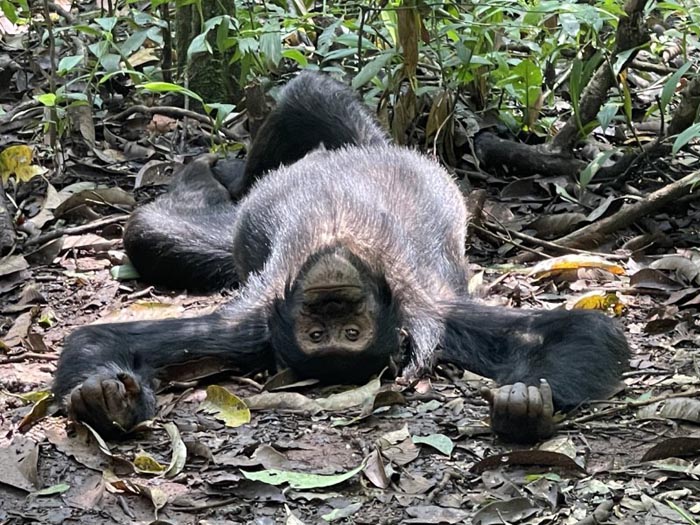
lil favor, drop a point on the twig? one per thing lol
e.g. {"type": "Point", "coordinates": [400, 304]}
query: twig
{"type": "Point", "coordinates": [446, 478]}
{"type": "Point", "coordinates": [502, 238]}
{"type": "Point", "coordinates": [170, 111]}
{"type": "Point", "coordinates": [624, 407]}
{"type": "Point", "coordinates": [28, 355]}
{"type": "Point", "coordinates": [72, 230]}
{"type": "Point", "coordinates": [654, 68]}
{"type": "Point", "coordinates": [552, 245]}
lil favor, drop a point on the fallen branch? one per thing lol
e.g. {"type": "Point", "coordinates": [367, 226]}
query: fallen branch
{"type": "Point", "coordinates": [594, 234]}
{"type": "Point", "coordinates": [590, 234]}
{"type": "Point", "coordinates": [623, 407]}
{"type": "Point", "coordinates": [522, 160]}
{"type": "Point", "coordinates": [555, 247]}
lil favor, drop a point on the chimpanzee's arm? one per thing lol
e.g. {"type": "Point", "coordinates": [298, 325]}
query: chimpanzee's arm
{"type": "Point", "coordinates": [106, 372]}
{"type": "Point", "coordinates": [580, 353]}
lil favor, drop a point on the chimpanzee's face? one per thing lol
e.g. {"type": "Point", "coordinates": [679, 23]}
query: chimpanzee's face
{"type": "Point", "coordinates": [337, 322]}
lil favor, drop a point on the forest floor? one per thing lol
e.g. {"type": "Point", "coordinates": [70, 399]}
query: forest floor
{"type": "Point", "coordinates": [427, 458]}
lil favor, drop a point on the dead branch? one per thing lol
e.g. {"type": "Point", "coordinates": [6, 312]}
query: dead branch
{"type": "Point", "coordinates": [553, 246]}
{"type": "Point", "coordinates": [73, 230]}
{"type": "Point", "coordinates": [594, 234]}
{"type": "Point", "coordinates": [623, 407]}
{"type": "Point", "coordinates": [174, 112]}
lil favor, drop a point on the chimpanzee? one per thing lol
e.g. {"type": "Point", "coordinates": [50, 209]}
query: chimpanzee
{"type": "Point", "coordinates": [350, 251]}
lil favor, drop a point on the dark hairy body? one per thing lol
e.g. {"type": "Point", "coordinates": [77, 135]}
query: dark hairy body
{"type": "Point", "coordinates": [350, 252]}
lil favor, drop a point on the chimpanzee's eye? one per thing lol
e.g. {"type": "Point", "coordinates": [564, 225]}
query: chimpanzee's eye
{"type": "Point", "coordinates": [352, 334]}
{"type": "Point", "coordinates": [316, 335]}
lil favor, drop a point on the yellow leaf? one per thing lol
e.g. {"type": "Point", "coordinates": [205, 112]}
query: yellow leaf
{"type": "Point", "coordinates": [147, 464]}
{"type": "Point", "coordinates": [226, 406]}
{"type": "Point", "coordinates": [574, 262]}
{"type": "Point", "coordinates": [600, 301]}
{"type": "Point", "coordinates": [17, 161]}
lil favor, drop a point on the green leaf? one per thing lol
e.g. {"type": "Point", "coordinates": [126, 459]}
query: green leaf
{"type": "Point", "coordinates": [99, 48]}
{"type": "Point", "coordinates": [622, 58]}
{"type": "Point", "coordinates": [222, 32]}
{"type": "Point", "coordinates": [607, 113]}
{"type": "Point", "coordinates": [107, 23]}
{"type": "Point", "coordinates": [66, 64]}
{"type": "Point", "coordinates": [9, 11]}
{"type": "Point", "coordinates": [439, 442]}
{"type": "Point", "coordinates": [683, 138]}
{"type": "Point", "coordinates": [47, 99]}
{"type": "Point", "coordinates": [134, 42]}
{"type": "Point", "coordinates": [86, 29]}
{"type": "Point", "coordinates": [271, 45]}
{"type": "Point", "coordinates": [222, 111]}
{"type": "Point", "coordinates": [225, 406]}
{"type": "Point", "coordinates": [297, 56]}
{"type": "Point", "coordinates": [670, 87]}
{"type": "Point", "coordinates": [326, 39]}
{"type": "Point", "coordinates": [110, 62]}
{"type": "Point", "coordinates": [372, 68]}
{"type": "Point", "coordinates": [124, 272]}
{"type": "Point", "coordinates": [300, 480]}
{"type": "Point", "coordinates": [167, 87]}
{"type": "Point", "coordinates": [199, 44]}
{"type": "Point", "coordinates": [589, 171]}
{"type": "Point", "coordinates": [527, 82]}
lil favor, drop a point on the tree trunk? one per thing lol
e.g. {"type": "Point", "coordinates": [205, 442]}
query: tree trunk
{"type": "Point", "coordinates": [210, 75]}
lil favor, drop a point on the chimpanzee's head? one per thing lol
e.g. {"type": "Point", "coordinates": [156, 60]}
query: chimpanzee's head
{"type": "Point", "coordinates": [337, 321]}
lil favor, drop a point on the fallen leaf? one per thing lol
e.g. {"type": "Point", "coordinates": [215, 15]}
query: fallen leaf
{"type": "Point", "coordinates": [300, 480]}
{"type": "Point", "coordinates": [225, 406]}
{"type": "Point", "coordinates": [439, 442]}
{"type": "Point", "coordinates": [17, 161]}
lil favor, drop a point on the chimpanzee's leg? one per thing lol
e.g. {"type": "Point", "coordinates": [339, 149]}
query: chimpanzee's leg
{"type": "Point", "coordinates": [184, 238]}
{"type": "Point", "coordinates": [313, 110]}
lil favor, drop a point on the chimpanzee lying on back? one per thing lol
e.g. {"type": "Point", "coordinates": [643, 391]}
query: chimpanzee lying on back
{"type": "Point", "coordinates": [351, 258]}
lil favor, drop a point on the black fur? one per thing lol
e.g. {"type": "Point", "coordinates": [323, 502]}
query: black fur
{"type": "Point", "coordinates": [394, 214]}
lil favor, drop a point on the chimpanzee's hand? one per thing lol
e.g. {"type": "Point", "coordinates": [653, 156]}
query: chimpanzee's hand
{"type": "Point", "coordinates": [521, 413]}
{"type": "Point", "coordinates": [112, 404]}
